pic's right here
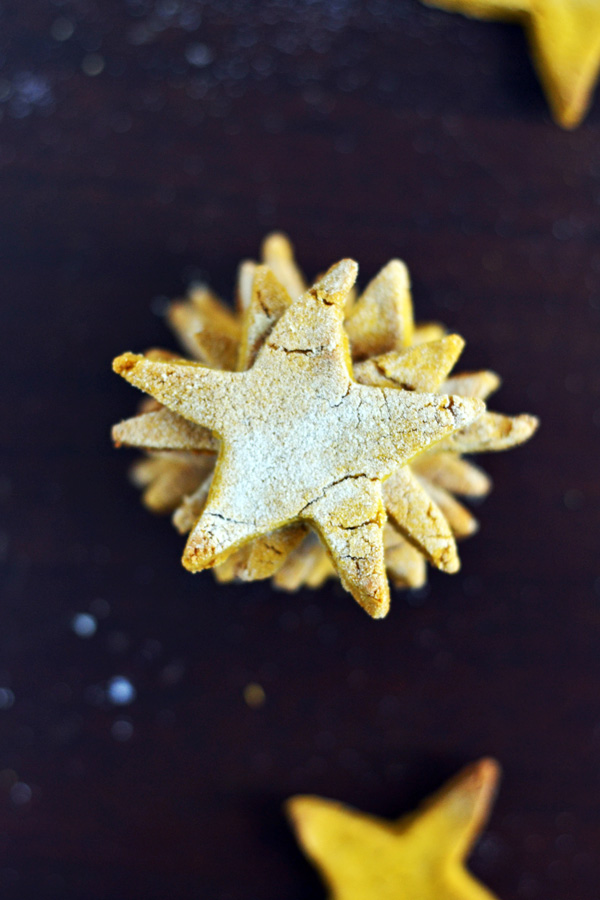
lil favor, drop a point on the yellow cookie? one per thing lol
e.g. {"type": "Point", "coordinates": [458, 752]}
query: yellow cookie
{"type": "Point", "coordinates": [418, 857]}
{"type": "Point", "coordinates": [564, 36]}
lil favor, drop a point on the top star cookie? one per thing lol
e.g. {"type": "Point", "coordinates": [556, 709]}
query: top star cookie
{"type": "Point", "coordinates": [300, 440]}
{"type": "Point", "coordinates": [564, 36]}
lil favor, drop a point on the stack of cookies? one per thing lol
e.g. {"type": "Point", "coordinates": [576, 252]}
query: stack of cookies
{"type": "Point", "coordinates": [313, 431]}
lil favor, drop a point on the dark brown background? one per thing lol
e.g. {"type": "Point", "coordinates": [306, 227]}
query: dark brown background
{"type": "Point", "coordinates": [365, 129]}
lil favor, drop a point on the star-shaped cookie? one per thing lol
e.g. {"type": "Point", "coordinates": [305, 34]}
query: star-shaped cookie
{"type": "Point", "coordinates": [564, 36]}
{"type": "Point", "coordinates": [418, 857]}
{"type": "Point", "coordinates": [300, 440]}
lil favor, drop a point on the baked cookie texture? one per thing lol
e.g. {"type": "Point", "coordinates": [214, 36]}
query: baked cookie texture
{"type": "Point", "coordinates": [421, 856]}
{"type": "Point", "coordinates": [564, 37]}
{"type": "Point", "coordinates": [315, 431]}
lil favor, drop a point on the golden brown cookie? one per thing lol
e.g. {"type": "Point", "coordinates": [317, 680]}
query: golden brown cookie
{"type": "Point", "coordinates": [564, 36]}
{"type": "Point", "coordinates": [421, 856]}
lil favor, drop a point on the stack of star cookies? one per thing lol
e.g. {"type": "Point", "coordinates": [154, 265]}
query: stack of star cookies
{"type": "Point", "coordinates": [314, 430]}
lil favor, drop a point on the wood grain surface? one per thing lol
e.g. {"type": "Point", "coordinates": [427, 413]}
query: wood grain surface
{"type": "Point", "coordinates": [144, 143]}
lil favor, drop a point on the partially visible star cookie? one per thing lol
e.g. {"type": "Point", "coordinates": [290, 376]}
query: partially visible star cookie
{"type": "Point", "coordinates": [420, 856]}
{"type": "Point", "coordinates": [301, 442]}
{"type": "Point", "coordinates": [564, 36]}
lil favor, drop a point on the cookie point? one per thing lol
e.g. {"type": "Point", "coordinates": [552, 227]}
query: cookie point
{"type": "Point", "coordinates": [115, 435]}
{"type": "Point", "coordinates": [530, 424]}
{"type": "Point", "coordinates": [349, 267]}
{"type": "Point", "coordinates": [345, 271]}
{"type": "Point", "coordinates": [477, 407]}
{"type": "Point", "coordinates": [376, 608]}
{"type": "Point", "coordinates": [398, 270]}
{"type": "Point", "coordinates": [124, 363]}
{"type": "Point", "coordinates": [456, 342]}
{"type": "Point", "coordinates": [200, 552]}
{"type": "Point", "coordinates": [380, 613]}
{"type": "Point", "coordinates": [450, 564]}
{"type": "Point", "coordinates": [464, 409]}
{"type": "Point", "coordinates": [568, 116]}
{"type": "Point", "coordinates": [485, 771]}
{"type": "Point", "coordinates": [192, 559]}
{"type": "Point", "coordinates": [472, 527]}
{"type": "Point", "coordinates": [493, 381]}
{"type": "Point", "coordinates": [301, 809]}
{"type": "Point", "coordinates": [333, 287]}
{"type": "Point", "coordinates": [277, 243]}
{"type": "Point", "coordinates": [295, 806]}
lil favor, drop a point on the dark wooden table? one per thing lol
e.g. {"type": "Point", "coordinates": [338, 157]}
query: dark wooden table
{"type": "Point", "coordinates": [144, 143]}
